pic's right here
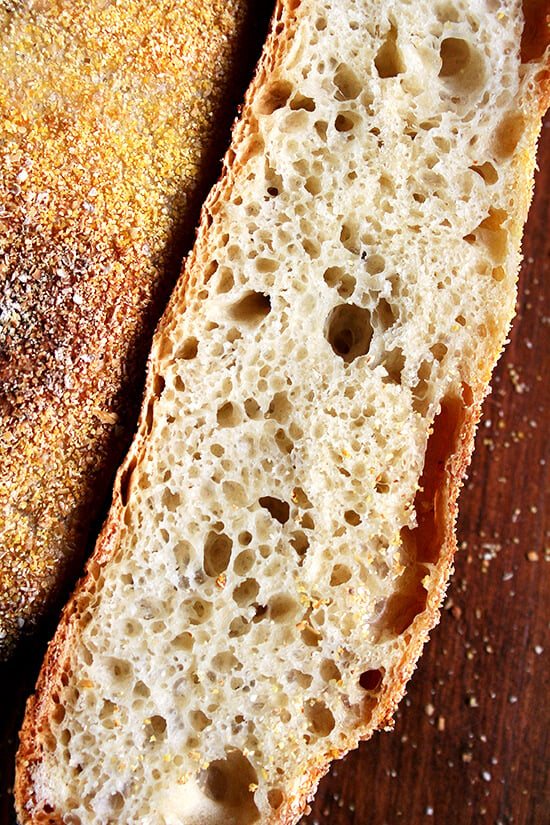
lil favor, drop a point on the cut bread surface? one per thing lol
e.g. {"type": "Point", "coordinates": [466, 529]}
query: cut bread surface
{"type": "Point", "coordinates": [282, 529]}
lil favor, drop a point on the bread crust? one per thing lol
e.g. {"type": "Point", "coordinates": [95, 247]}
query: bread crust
{"type": "Point", "coordinates": [90, 252]}
{"type": "Point", "coordinates": [458, 437]}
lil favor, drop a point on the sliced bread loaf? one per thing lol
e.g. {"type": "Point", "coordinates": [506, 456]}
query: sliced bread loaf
{"type": "Point", "coordinates": [111, 114]}
{"type": "Point", "coordinates": [281, 534]}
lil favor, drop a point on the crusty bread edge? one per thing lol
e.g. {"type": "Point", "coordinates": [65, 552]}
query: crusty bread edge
{"type": "Point", "coordinates": [29, 808]}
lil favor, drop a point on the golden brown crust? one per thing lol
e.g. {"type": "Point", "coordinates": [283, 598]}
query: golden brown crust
{"type": "Point", "coordinates": [103, 156]}
{"type": "Point", "coordinates": [457, 433]}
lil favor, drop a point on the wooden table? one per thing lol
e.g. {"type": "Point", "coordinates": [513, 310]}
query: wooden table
{"type": "Point", "coordinates": [471, 740]}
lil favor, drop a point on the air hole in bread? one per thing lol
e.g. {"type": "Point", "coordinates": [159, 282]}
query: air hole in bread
{"type": "Point", "coordinates": [125, 480]}
{"type": "Point", "coordinates": [321, 127]}
{"type": "Point", "coordinates": [313, 185]}
{"type": "Point", "coordinates": [320, 718]}
{"type": "Point", "coordinates": [487, 171]}
{"type": "Point", "coordinates": [178, 384]}
{"type": "Point", "coordinates": [279, 408]}
{"type": "Point", "coordinates": [199, 611]}
{"type": "Point", "coordinates": [171, 501]}
{"type": "Point", "coordinates": [252, 309]}
{"type": "Point", "coordinates": [225, 662]}
{"type": "Point", "coordinates": [116, 803]}
{"type": "Point", "coordinates": [311, 637]}
{"type": "Point", "coordinates": [121, 671]}
{"type": "Point", "coordinates": [349, 332]}
{"type": "Point", "coordinates": [425, 542]}
{"type": "Point", "coordinates": [260, 612]}
{"type": "Point", "coordinates": [402, 607]}
{"type": "Point", "coordinates": [149, 414]}
{"type": "Point", "coordinates": [225, 280]}
{"type": "Point", "coordinates": [439, 351]}
{"type": "Point", "coordinates": [282, 607]}
{"type": "Point", "coordinates": [266, 265]}
{"type": "Point", "coordinates": [252, 409]}
{"type": "Point", "coordinates": [278, 509]}
{"type": "Point", "coordinates": [199, 720]}
{"type": "Point", "coordinates": [462, 67]}
{"type": "Point", "coordinates": [420, 390]}
{"type": "Point", "coordinates": [228, 415]}
{"type": "Point", "coordinates": [385, 315]}
{"type": "Point", "coordinates": [329, 671]}
{"type": "Point", "coordinates": [375, 264]}
{"type": "Point", "coordinates": [311, 248]}
{"type": "Point", "coordinates": [347, 83]}
{"type": "Point", "coordinates": [300, 543]}
{"type": "Point", "coordinates": [216, 554]}
{"type": "Point", "coordinates": [388, 61]}
{"type": "Point", "coordinates": [340, 575]}
{"type": "Point", "coordinates": [339, 279]}
{"type": "Point", "coordinates": [234, 493]}
{"type": "Point", "coordinates": [229, 783]}
{"type": "Point", "coordinates": [491, 234]}
{"type": "Point", "coordinates": [300, 101]}
{"type": "Point", "coordinates": [352, 518]}
{"type": "Point", "coordinates": [394, 363]}
{"type": "Point", "coordinates": [508, 134]}
{"type": "Point", "coordinates": [296, 121]}
{"type": "Point", "coordinates": [345, 122]}
{"type": "Point", "coordinates": [244, 562]}
{"type": "Point", "coordinates": [304, 680]}
{"type": "Point", "coordinates": [274, 96]}
{"type": "Point", "coordinates": [371, 679]}
{"type": "Point", "coordinates": [443, 144]}
{"type": "Point", "coordinates": [246, 592]}
{"type": "Point", "coordinates": [58, 713]}
{"type": "Point", "coordinates": [275, 798]}
{"type": "Point", "coordinates": [188, 349]}
{"type": "Point", "coordinates": [238, 627]}
{"type": "Point", "coordinates": [300, 498]}
{"type": "Point", "coordinates": [283, 442]}
{"type": "Point", "coordinates": [183, 641]}
{"type": "Point", "coordinates": [141, 690]}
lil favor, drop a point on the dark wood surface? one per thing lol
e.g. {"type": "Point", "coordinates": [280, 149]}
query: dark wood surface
{"type": "Point", "coordinates": [471, 740]}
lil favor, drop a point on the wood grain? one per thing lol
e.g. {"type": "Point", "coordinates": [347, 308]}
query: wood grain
{"type": "Point", "coordinates": [471, 740]}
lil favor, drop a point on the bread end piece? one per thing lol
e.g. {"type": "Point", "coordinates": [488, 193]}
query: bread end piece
{"type": "Point", "coordinates": [312, 400]}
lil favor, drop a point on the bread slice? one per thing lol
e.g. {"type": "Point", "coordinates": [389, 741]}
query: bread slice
{"type": "Point", "coordinates": [111, 114]}
{"type": "Point", "coordinates": [281, 533]}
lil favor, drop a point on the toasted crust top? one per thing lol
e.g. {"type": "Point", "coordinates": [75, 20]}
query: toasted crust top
{"type": "Point", "coordinates": [111, 119]}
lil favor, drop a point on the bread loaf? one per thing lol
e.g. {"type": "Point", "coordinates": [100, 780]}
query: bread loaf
{"type": "Point", "coordinates": [111, 115]}
{"type": "Point", "coordinates": [282, 529]}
